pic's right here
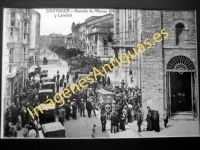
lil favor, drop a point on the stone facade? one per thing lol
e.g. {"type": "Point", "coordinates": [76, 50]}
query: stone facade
{"type": "Point", "coordinates": [16, 41]}
{"type": "Point", "coordinates": [155, 60]}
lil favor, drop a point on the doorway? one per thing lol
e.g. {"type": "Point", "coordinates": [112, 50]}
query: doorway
{"type": "Point", "coordinates": [180, 86]}
{"type": "Point", "coordinates": [180, 92]}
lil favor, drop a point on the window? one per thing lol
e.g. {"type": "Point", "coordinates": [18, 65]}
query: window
{"type": "Point", "coordinates": [11, 31]}
{"type": "Point", "coordinates": [105, 50]}
{"type": "Point", "coordinates": [180, 34]}
{"type": "Point", "coordinates": [13, 15]}
{"type": "Point", "coordinates": [10, 68]}
{"type": "Point", "coordinates": [11, 55]}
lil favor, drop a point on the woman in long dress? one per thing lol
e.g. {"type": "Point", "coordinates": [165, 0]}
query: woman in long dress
{"type": "Point", "coordinates": [19, 122]}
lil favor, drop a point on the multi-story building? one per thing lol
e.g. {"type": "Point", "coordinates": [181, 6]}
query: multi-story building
{"type": "Point", "coordinates": [56, 39]}
{"type": "Point", "coordinates": [97, 29]}
{"type": "Point", "coordinates": [169, 67]}
{"type": "Point", "coordinates": [91, 36]}
{"type": "Point", "coordinates": [76, 39]}
{"type": "Point", "coordinates": [34, 34]}
{"type": "Point", "coordinates": [16, 30]}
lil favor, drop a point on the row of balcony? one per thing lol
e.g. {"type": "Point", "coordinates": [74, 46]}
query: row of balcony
{"type": "Point", "coordinates": [99, 30]}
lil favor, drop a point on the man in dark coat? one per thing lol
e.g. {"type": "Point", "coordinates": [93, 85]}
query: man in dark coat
{"type": "Point", "coordinates": [117, 121]}
{"type": "Point", "coordinates": [14, 114]}
{"type": "Point", "coordinates": [149, 120]}
{"type": "Point", "coordinates": [82, 108]}
{"type": "Point", "coordinates": [63, 77]}
{"type": "Point", "coordinates": [61, 82]}
{"type": "Point", "coordinates": [139, 119]}
{"type": "Point", "coordinates": [58, 76]}
{"type": "Point", "coordinates": [67, 110]}
{"type": "Point", "coordinates": [61, 114]}
{"type": "Point", "coordinates": [155, 117]}
{"type": "Point", "coordinates": [108, 80]}
{"type": "Point", "coordinates": [74, 110]}
{"type": "Point", "coordinates": [57, 85]}
{"type": "Point", "coordinates": [23, 116]}
{"type": "Point", "coordinates": [122, 121]}
{"type": "Point", "coordinates": [67, 77]}
{"type": "Point", "coordinates": [113, 120]}
{"type": "Point", "coordinates": [54, 78]}
{"type": "Point", "coordinates": [89, 108]}
{"type": "Point", "coordinates": [103, 121]}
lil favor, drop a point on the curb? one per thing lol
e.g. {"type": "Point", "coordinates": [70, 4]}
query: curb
{"type": "Point", "coordinates": [134, 130]}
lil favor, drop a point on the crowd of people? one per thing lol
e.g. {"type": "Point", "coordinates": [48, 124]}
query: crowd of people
{"type": "Point", "coordinates": [16, 113]}
{"type": "Point", "coordinates": [126, 107]}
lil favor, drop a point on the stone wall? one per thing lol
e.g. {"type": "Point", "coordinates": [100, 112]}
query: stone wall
{"type": "Point", "coordinates": [188, 47]}
{"type": "Point", "coordinates": [153, 71]}
{"type": "Point", "coordinates": [152, 64]}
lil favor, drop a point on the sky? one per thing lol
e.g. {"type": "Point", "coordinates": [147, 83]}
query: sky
{"type": "Point", "coordinates": [53, 20]}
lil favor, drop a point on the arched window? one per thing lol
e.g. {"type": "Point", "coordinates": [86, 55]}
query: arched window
{"type": "Point", "coordinates": [180, 63]}
{"type": "Point", "coordinates": [180, 34]}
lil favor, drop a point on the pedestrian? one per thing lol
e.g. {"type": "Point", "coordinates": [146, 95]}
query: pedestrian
{"type": "Point", "coordinates": [61, 114]}
{"type": "Point", "coordinates": [58, 76]}
{"type": "Point", "coordinates": [65, 83]}
{"type": "Point", "coordinates": [93, 107]}
{"type": "Point", "coordinates": [122, 122]}
{"type": "Point", "coordinates": [19, 122]}
{"type": "Point", "coordinates": [149, 120]}
{"type": "Point", "coordinates": [7, 130]}
{"type": "Point", "coordinates": [139, 119]}
{"type": "Point", "coordinates": [63, 77]}
{"type": "Point", "coordinates": [156, 126]}
{"type": "Point", "coordinates": [67, 110]}
{"type": "Point", "coordinates": [14, 114]}
{"type": "Point", "coordinates": [57, 85]}
{"type": "Point", "coordinates": [82, 108]}
{"type": "Point", "coordinates": [25, 134]}
{"type": "Point", "coordinates": [103, 121]}
{"type": "Point", "coordinates": [54, 78]}
{"type": "Point", "coordinates": [113, 120]}
{"type": "Point", "coordinates": [7, 114]}
{"type": "Point", "coordinates": [122, 84]}
{"type": "Point", "coordinates": [61, 82]}
{"type": "Point", "coordinates": [108, 80]}
{"type": "Point", "coordinates": [23, 116]}
{"type": "Point", "coordinates": [157, 122]}
{"type": "Point", "coordinates": [67, 76]}
{"type": "Point", "coordinates": [89, 108]}
{"type": "Point", "coordinates": [74, 110]}
{"type": "Point", "coordinates": [93, 131]}
{"type": "Point", "coordinates": [165, 117]}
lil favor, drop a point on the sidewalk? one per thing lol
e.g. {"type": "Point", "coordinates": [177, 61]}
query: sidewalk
{"type": "Point", "coordinates": [180, 128]}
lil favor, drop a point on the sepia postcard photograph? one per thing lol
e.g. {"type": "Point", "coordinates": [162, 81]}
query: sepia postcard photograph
{"type": "Point", "coordinates": [99, 73]}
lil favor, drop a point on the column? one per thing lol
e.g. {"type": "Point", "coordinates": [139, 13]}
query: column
{"type": "Point", "coordinates": [98, 45]}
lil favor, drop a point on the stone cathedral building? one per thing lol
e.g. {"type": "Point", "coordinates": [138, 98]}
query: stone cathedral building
{"type": "Point", "coordinates": [167, 68]}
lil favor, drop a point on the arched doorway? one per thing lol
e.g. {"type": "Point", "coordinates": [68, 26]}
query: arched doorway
{"type": "Point", "coordinates": [180, 85]}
